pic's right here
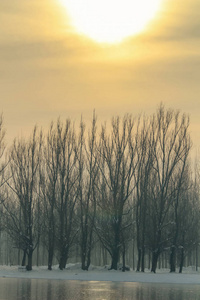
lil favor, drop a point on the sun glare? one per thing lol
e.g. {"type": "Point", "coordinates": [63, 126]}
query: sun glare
{"type": "Point", "coordinates": [110, 21]}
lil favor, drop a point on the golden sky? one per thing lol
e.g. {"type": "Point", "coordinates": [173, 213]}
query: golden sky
{"type": "Point", "coordinates": [48, 70]}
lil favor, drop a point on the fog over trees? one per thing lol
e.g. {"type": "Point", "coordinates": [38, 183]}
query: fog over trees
{"type": "Point", "coordinates": [124, 193]}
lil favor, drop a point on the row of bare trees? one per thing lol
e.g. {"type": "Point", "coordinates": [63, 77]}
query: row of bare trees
{"type": "Point", "coordinates": [129, 180]}
{"type": "Point", "coordinates": [164, 188]}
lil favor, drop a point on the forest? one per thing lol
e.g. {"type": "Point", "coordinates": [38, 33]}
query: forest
{"type": "Point", "coordinates": [119, 193]}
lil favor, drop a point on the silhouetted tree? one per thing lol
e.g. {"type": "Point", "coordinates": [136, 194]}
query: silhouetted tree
{"type": "Point", "coordinates": [117, 165]}
{"type": "Point", "coordinates": [181, 184]}
{"type": "Point", "coordinates": [21, 208]}
{"type": "Point", "coordinates": [142, 179]}
{"type": "Point", "coordinates": [170, 147]}
{"type": "Point", "coordinates": [66, 191]}
{"type": "Point", "coordinates": [87, 191]}
{"type": "Point", "coordinates": [49, 182]}
{"type": "Point", "coordinates": [188, 219]}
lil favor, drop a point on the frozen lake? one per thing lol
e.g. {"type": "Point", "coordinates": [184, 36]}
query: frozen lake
{"type": "Point", "coordinates": [46, 289]}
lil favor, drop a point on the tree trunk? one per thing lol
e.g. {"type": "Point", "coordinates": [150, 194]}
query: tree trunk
{"type": "Point", "coordinates": [90, 245]}
{"type": "Point", "coordinates": [61, 263]}
{"type": "Point", "coordinates": [181, 260]}
{"type": "Point", "coordinates": [155, 257]}
{"type": "Point", "coordinates": [197, 258]}
{"type": "Point", "coordinates": [124, 261]}
{"type": "Point", "coordinates": [29, 265]}
{"type": "Point", "coordinates": [63, 259]}
{"type": "Point", "coordinates": [50, 258]}
{"type": "Point", "coordinates": [139, 259]}
{"type": "Point", "coordinates": [38, 247]}
{"type": "Point", "coordinates": [83, 259]}
{"type": "Point", "coordinates": [115, 259]}
{"type": "Point", "coordinates": [143, 254]}
{"type": "Point", "coordinates": [88, 258]}
{"type": "Point", "coordinates": [83, 251]}
{"type": "Point", "coordinates": [51, 237]}
{"type": "Point", "coordinates": [173, 259]}
{"type": "Point", "coordinates": [133, 256]}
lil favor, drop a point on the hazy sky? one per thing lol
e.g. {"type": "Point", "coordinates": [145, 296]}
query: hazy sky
{"type": "Point", "coordinates": [47, 70]}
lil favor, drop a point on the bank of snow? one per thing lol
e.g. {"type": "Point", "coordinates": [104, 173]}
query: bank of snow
{"type": "Point", "coordinates": [74, 272]}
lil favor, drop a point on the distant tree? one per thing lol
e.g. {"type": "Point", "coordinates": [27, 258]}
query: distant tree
{"type": "Point", "coordinates": [170, 146]}
{"type": "Point", "coordinates": [117, 165]}
{"type": "Point", "coordinates": [87, 190]}
{"type": "Point", "coordinates": [22, 208]}
{"type": "Point", "coordinates": [142, 179]}
{"type": "Point", "coordinates": [49, 182]}
{"type": "Point", "coordinates": [181, 185]}
{"type": "Point", "coordinates": [188, 220]}
{"type": "Point", "coordinates": [170, 137]}
{"type": "Point", "coordinates": [66, 191]}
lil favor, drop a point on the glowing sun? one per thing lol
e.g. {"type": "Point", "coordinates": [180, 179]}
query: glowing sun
{"type": "Point", "coordinates": [110, 20]}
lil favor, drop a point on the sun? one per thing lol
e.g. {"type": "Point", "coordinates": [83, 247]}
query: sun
{"type": "Point", "coordinates": [110, 21]}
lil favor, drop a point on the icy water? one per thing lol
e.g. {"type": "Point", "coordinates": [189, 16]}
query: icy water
{"type": "Point", "coordinates": [40, 289]}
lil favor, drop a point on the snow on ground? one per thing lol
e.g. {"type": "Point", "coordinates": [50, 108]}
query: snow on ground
{"type": "Point", "coordinates": [74, 272]}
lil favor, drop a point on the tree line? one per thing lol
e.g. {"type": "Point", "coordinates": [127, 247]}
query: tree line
{"type": "Point", "coordinates": [131, 179]}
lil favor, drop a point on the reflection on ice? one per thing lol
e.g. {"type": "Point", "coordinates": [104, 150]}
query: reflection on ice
{"type": "Point", "coordinates": [40, 289]}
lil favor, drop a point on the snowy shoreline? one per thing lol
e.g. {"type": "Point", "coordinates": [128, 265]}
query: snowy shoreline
{"type": "Point", "coordinates": [74, 272]}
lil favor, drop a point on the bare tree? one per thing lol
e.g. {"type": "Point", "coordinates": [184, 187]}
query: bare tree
{"type": "Point", "coordinates": [21, 207]}
{"type": "Point", "coordinates": [66, 191]}
{"type": "Point", "coordinates": [187, 219]}
{"type": "Point", "coordinates": [170, 147]}
{"type": "Point", "coordinates": [117, 166]}
{"type": "Point", "coordinates": [49, 182]}
{"type": "Point", "coordinates": [181, 185]}
{"type": "Point", "coordinates": [142, 179]}
{"type": "Point", "coordinates": [87, 191]}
